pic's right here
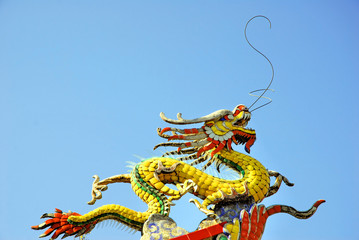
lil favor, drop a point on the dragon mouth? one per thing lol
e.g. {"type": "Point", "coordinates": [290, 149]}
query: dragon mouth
{"type": "Point", "coordinates": [240, 139]}
{"type": "Point", "coordinates": [244, 135]}
{"type": "Point", "coordinates": [246, 138]}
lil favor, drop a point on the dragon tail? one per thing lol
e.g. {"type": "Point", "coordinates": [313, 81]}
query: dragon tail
{"type": "Point", "coordinates": [74, 224]}
{"type": "Point", "coordinates": [292, 211]}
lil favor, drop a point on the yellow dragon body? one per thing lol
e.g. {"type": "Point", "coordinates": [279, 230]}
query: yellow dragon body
{"type": "Point", "coordinates": [150, 178]}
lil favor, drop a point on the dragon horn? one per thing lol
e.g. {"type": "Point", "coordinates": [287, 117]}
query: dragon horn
{"type": "Point", "coordinates": [210, 117]}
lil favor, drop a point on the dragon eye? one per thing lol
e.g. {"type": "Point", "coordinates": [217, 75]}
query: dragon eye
{"type": "Point", "coordinates": [242, 108]}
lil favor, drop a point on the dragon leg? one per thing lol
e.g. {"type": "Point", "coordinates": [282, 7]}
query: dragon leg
{"type": "Point", "coordinates": [202, 207]}
{"type": "Point", "coordinates": [278, 181]}
{"type": "Point", "coordinates": [211, 199]}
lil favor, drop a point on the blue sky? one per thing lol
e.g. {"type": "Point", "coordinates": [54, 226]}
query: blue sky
{"type": "Point", "coordinates": [82, 84]}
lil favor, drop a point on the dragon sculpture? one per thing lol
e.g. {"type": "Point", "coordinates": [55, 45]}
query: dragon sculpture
{"type": "Point", "coordinates": [209, 144]}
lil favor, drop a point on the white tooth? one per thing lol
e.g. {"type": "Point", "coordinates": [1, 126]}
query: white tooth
{"type": "Point", "coordinates": [216, 137]}
{"type": "Point", "coordinates": [207, 128]}
{"type": "Point", "coordinates": [209, 132]}
{"type": "Point", "coordinates": [230, 134]}
{"type": "Point", "coordinates": [220, 138]}
{"type": "Point", "coordinates": [212, 135]}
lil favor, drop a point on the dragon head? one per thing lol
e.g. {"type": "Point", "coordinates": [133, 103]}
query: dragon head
{"type": "Point", "coordinates": [220, 129]}
{"type": "Point", "coordinates": [231, 128]}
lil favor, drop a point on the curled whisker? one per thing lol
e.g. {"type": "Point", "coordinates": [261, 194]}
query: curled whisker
{"type": "Point", "coordinates": [261, 96]}
{"type": "Point", "coordinates": [271, 65]}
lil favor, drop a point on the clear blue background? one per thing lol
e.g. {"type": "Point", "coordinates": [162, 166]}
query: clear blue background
{"type": "Point", "coordinates": [82, 84]}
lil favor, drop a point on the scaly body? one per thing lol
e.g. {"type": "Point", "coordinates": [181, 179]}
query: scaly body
{"type": "Point", "coordinates": [153, 191]}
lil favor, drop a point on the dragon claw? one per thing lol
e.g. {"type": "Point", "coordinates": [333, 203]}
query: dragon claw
{"type": "Point", "coordinates": [96, 190]}
{"type": "Point", "coordinates": [187, 186]}
{"type": "Point", "coordinates": [202, 208]}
